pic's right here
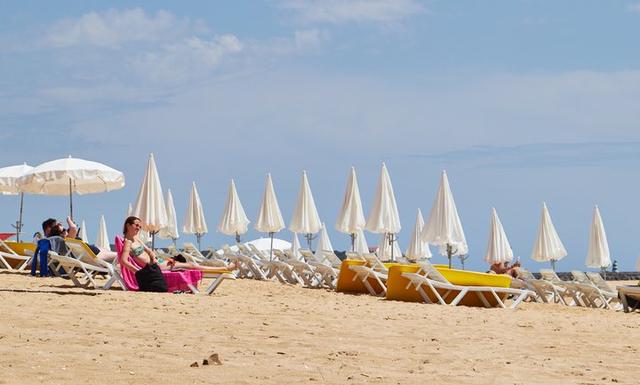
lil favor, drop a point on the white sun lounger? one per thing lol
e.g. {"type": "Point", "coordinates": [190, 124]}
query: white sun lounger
{"type": "Point", "coordinates": [374, 269]}
{"type": "Point", "coordinates": [288, 271]}
{"type": "Point", "coordinates": [303, 269]}
{"type": "Point", "coordinates": [582, 295]}
{"type": "Point", "coordinates": [250, 265]}
{"type": "Point", "coordinates": [626, 293]}
{"type": "Point", "coordinates": [82, 252]}
{"type": "Point", "coordinates": [605, 294]}
{"type": "Point", "coordinates": [429, 277]}
{"type": "Point", "coordinates": [326, 274]}
{"type": "Point", "coordinates": [74, 267]}
{"type": "Point", "coordinates": [274, 267]}
{"type": "Point", "coordinates": [6, 252]}
{"type": "Point", "coordinates": [546, 291]}
{"type": "Point", "coordinates": [196, 256]}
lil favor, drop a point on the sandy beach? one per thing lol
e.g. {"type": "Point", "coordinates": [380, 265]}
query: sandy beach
{"type": "Point", "coordinates": [269, 333]}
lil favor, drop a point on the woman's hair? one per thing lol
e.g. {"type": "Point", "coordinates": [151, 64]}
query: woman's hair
{"type": "Point", "coordinates": [129, 221]}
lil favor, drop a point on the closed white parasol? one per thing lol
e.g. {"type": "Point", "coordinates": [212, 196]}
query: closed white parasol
{"type": "Point", "coordinates": [498, 249]}
{"type": "Point", "coordinates": [194, 221]}
{"type": "Point", "coordinates": [548, 246]}
{"type": "Point", "coordinates": [418, 248]}
{"type": "Point", "coordinates": [171, 231]}
{"type": "Point", "coordinates": [269, 216]}
{"type": "Point", "coordinates": [150, 206]}
{"type": "Point", "coordinates": [444, 229]}
{"type": "Point", "coordinates": [598, 256]}
{"type": "Point", "coordinates": [383, 217]}
{"type": "Point", "coordinates": [324, 243]}
{"type": "Point", "coordinates": [351, 217]}
{"type": "Point", "coordinates": [305, 219]}
{"type": "Point", "coordinates": [102, 240]}
{"type": "Point", "coordinates": [234, 220]}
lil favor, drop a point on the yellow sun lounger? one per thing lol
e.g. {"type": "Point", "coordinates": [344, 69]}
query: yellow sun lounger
{"type": "Point", "coordinates": [439, 284]}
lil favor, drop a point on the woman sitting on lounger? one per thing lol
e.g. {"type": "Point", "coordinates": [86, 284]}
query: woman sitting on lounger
{"type": "Point", "coordinates": [145, 255]}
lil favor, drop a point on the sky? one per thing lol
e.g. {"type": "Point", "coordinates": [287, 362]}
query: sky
{"type": "Point", "coordinates": [522, 102]}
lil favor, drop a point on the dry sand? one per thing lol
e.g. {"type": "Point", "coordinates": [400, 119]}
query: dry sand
{"type": "Point", "coordinates": [269, 333]}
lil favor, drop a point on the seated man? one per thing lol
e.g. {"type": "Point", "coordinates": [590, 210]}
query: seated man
{"type": "Point", "coordinates": [52, 227]}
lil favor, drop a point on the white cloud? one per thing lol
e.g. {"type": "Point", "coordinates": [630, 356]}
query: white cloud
{"type": "Point", "coordinates": [345, 11]}
{"type": "Point", "coordinates": [188, 59]}
{"type": "Point", "coordinates": [310, 38]}
{"type": "Point", "coordinates": [634, 7]}
{"type": "Point", "coordinates": [114, 28]}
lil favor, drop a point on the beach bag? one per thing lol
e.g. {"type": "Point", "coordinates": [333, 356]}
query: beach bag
{"type": "Point", "coordinates": [150, 278]}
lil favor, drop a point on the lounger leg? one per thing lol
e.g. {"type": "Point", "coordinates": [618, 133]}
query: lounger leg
{"type": "Point", "coordinates": [438, 296]}
{"type": "Point", "coordinates": [625, 304]}
{"type": "Point", "coordinates": [72, 276]}
{"type": "Point", "coordinates": [519, 299]}
{"type": "Point", "coordinates": [193, 289]}
{"type": "Point", "coordinates": [424, 295]}
{"type": "Point", "coordinates": [214, 284]}
{"type": "Point", "coordinates": [5, 263]}
{"type": "Point", "coordinates": [459, 297]}
{"type": "Point", "coordinates": [497, 297]}
{"type": "Point", "coordinates": [368, 286]}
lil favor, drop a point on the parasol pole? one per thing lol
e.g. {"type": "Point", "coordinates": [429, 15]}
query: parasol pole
{"type": "Point", "coordinates": [70, 199]}
{"type": "Point", "coordinates": [18, 225]}
{"type": "Point", "coordinates": [198, 238]}
{"type": "Point", "coordinates": [271, 249]}
{"type": "Point", "coordinates": [391, 240]}
{"type": "Point", "coordinates": [353, 241]}
{"type": "Point", "coordinates": [310, 237]}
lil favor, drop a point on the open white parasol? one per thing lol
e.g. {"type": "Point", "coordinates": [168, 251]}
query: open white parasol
{"type": "Point", "coordinates": [67, 176]}
{"type": "Point", "coordinates": [9, 186]}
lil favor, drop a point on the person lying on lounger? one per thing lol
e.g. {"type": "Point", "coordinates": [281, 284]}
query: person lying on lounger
{"type": "Point", "coordinates": [144, 255]}
{"type": "Point", "coordinates": [505, 268]}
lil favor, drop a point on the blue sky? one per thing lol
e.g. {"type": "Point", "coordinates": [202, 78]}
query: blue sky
{"type": "Point", "coordinates": [520, 101]}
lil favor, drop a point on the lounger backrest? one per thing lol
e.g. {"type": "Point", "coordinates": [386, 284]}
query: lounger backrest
{"type": "Point", "coordinates": [307, 255]}
{"type": "Point", "coordinates": [374, 262]}
{"type": "Point", "coordinates": [279, 254]}
{"type": "Point", "coordinates": [549, 275]}
{"type": "Point", "coordinates": [525, 275]}
{"type": "Point", "coordinates": [258, 253]}
{"type": "Point", "coordinates": [597, 279]}
{"type": "Point", "coordinates": [431, 272]}
{"type": "Point", "coordinates": [247, 251]}
{"type": "Point", "coordinates": [83, 252]}
{"type": "Point", "coordinates": [332, 258]}
{"type": "Point", "coordinates": [580, 276]}
{"type": "Point", "coordinates": [226, 249]}
{"type": "Point", "coordinates": [353, 255]}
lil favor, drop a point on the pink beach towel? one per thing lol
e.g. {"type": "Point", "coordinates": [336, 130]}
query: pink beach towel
{"type": "Point", "coordinates": [176, 280]}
